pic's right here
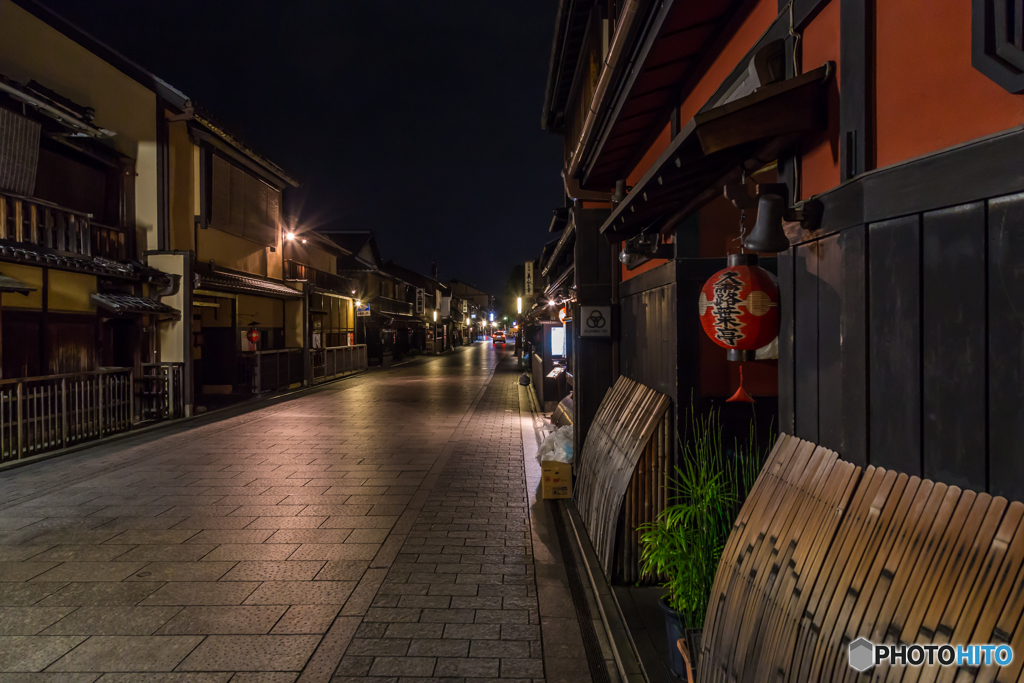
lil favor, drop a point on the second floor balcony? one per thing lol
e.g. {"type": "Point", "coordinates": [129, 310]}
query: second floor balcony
{"type": "Point", "coordinates": [31, 221]}
{"type": "Point", "coordinates": [295, 271]}
{"type": "Point", "coordinates": [388, 306]}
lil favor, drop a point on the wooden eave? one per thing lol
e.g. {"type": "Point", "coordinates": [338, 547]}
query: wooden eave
{"type": "Point", "coordinates": [716, 145]}
{"type": "Point", "coordinates": [678, 36]}
{"type": "Point", "coordinates": [570, 28]}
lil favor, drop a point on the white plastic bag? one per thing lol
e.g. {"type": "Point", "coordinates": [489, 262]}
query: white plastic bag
{"type": "Point", "coordinates": [557, 446]}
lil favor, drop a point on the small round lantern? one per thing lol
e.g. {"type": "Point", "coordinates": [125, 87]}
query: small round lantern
{"type": "Point", "coordinates": [739, 307]}
{"type": "Point", "coordinates": [253, 336]}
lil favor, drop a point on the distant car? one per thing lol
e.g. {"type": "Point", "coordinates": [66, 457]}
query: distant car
{"type": "Point", "coordinates": [498, 337]}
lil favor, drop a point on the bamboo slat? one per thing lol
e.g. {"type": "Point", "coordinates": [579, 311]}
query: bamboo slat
{"type": "Point", "coordinates": [624, 424]}
{"type": "Point", "coordinates": [823, 553]}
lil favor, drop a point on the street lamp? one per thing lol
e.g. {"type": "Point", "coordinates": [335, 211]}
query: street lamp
{"type": "Point", "coordinates": [519, 305]}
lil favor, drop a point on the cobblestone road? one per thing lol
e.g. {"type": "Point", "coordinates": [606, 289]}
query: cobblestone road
{"type": "Point", "coordinates": [375, 530]}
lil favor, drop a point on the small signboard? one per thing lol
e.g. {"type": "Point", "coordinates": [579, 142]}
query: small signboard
{"type": "Point", "coordinates": [595, 321]}
{"type": "Point", "coordinates": [529, 278]}
{"type": "Point", "coordinates": [420, 301]}
{"type": "Point", "coordinates": [363, 310]}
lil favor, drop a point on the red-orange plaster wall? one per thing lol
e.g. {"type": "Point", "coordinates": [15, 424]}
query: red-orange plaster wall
{"type": "Point", "coordinates": [927, 94]}
{"type": "Point", "coordinates": [819, 165]}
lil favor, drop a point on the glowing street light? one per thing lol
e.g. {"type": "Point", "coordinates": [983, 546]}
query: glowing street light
{"type": "Point", "coordinates": [290, 236]}
{"type": "Point", "coordinates": [435, 316]}
{"type": "Point", "coordinates": [519, 305]}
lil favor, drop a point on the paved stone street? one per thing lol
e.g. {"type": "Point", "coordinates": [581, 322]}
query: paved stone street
{"type": "Point", "coordinates": [374, 530]}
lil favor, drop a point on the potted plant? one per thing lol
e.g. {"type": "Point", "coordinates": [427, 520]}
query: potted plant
{"type": "Point", "coordinates": [684, 544]}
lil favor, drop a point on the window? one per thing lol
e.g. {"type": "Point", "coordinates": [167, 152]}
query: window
{"type": "Point", "coordinates": [242, 204]}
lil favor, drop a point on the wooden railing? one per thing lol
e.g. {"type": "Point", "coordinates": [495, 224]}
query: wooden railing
{"type": "Point", "coordinates": [271, 370]}
{"type": "Point", "coordinates": [160, 391]}
{"type": "Point", "coordinates": [337, 361]}
{"type": "Point", "coordinates": [300, 272]}
{"type": "Point", "coordinates": [33, 221]}
{"type": "Point", "coordinates": [393, 306]}
{"type": "Point", "coordinates": [41, 414]}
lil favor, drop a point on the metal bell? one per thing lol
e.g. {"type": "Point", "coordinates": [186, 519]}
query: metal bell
{"type": "Point", "coordinates": [768, 235]}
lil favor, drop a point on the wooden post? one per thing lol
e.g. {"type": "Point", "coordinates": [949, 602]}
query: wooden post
{"type": "Point", "coordinates": [99, 384]}
{"type": "Point", "coordinates": [131, 399]}
{"type": "Point", "coordinates": [20, 384]}
{"type": "Point", "coordinates": [64, 411]}
{"type": "Point", "coordinates": [19, 228]}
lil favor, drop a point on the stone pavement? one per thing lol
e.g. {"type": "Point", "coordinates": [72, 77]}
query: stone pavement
{"type": "Point", "coordinates": [375, 530]}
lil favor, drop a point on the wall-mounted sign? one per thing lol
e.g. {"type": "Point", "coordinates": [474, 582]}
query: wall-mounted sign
{"type": "Point", "coordinates": [595, 321]}
{"type": "Point", "coordinates": [420, 300]}
{"type": "Point", "coordinates": [363, 309]}
{"type": "Point", "coordinates": [465, 306]}
{"type": "Point", "coordinates": [529, 278]}
{"type": "Point", "coordinates": [446, 306]}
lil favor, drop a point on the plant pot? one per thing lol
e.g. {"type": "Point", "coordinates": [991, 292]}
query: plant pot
{"type": "Point", "coordinates": [675, 628]}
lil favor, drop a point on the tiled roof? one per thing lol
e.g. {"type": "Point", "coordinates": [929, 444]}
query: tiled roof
{"type": "Point", "coordinates": [126, 303]}
{"type": "Point", "coordinates": [241, 283]}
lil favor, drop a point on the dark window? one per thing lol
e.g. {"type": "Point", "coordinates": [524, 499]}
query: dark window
{"type": "Point", "coordinates": [242, 204]}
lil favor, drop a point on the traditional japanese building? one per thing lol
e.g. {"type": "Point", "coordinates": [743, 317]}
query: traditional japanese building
{"type": "Point", "coordinates": [146, 270]}
{"type": "Point", "coordinates": [81, 353]}
{"type": "Point", "coordinates": [880, 141]}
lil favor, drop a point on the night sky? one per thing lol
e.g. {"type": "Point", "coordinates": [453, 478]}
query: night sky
{"type": "Point", "coordinates": [417, 119]}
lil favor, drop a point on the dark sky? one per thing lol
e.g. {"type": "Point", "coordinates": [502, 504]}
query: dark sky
{"type": "Point", "coordinates": [417, 119]}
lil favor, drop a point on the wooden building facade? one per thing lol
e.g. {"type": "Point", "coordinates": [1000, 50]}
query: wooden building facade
{"type": "Point", "coordinates": [146, 269]}
{"type": "Point", "coordinates": [893, 132]}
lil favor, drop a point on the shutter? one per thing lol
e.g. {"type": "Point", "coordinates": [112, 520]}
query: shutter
{"type": "Point", "coordinates": [237, 201]}
{"type": "Point", "coordinates": [243, 205]}
{"type": "Point", "coordinates": [222, 212]}
{"type": "Point", "coordinates": [19, 153]}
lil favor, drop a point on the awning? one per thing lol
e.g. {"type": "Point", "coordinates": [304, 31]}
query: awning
{"type": "Point", "coordinates": [49, 258]}
{"type": "Point", "coordinates": [126, 304]}
{"type": "Point", "coordinates": [9, 284]}
{"type": "Point", "coordinates": [569, 235]}
{"type": "Point", "coordinates": [715, 146]}
{"type": "Point", "coordinates": [560, 281]}
{"type": "Point", "coordinates": [230, 282]}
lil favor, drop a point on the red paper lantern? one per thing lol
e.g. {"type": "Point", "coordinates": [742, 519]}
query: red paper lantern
{"type": "Point", "coordinates": [739, 307]}
{"type": "Point", "coordinates": [253, 336]}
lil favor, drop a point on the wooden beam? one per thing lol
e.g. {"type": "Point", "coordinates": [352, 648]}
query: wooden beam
{"type": "Point", "coordinates": [855, 47]}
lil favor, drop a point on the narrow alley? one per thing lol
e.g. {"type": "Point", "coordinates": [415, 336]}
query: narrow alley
{"type": "Point", "coordinates": [375, 529]}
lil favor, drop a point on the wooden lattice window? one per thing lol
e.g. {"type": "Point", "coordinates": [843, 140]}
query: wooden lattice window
{"type": "Point", "coordinates": [244, 205]}
{"type": "Point", "coordinates": [998, 41]}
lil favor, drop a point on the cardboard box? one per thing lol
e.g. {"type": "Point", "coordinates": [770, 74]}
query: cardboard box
{"type": "Point", "coordinates": [556, 479]}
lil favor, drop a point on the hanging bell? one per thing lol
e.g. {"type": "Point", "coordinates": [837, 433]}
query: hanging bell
{"type": "Point", "coordinates": [768, 236]}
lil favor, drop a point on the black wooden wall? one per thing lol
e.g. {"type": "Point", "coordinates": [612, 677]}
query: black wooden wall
{"type": "Point", "coordinates": [903, 334]}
